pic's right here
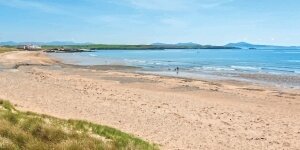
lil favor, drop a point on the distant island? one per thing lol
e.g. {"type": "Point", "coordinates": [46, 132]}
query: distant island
{"type": "Point", "coordinates": [245, 45]}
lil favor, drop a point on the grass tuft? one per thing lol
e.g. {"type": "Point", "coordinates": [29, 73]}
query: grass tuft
{"type": "Point", "coordinates": [30, 131]}
{"type": "Point", "coordinates": [6, 105]}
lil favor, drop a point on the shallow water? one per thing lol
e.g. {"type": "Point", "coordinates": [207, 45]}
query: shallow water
{"type": "Point", "coordinates": [222, 62]}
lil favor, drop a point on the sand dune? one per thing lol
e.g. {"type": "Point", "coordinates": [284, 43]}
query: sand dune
{"type": "Point", "coordinates": [175, 113]}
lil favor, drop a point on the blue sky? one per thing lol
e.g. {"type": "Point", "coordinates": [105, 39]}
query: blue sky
{"type": "Point", "coordinates": [147, 21]}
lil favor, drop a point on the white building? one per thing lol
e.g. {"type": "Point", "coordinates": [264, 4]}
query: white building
{"type": "Point", "coordinates": [29, 47]}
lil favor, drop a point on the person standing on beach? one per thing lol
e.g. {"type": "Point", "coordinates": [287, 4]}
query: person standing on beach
{"type": "Point", "coordinates": [177, 70]}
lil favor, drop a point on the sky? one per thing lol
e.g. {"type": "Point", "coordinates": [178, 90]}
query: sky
{"type": "Point", "coordinates": [214, 22]}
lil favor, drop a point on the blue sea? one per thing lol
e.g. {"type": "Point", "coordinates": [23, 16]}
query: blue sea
{"type": "Point", "coordinates": [196, 62]}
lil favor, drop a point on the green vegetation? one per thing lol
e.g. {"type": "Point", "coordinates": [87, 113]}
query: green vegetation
{"type": "Point", "coordinates": [76, 48]}
{"type": "Point", "coordinates": [134, 47]}
{"type": "Point", "coordinates": [30, 131]}
{"type": "Point", "coordinates": [101, 46]}
{"type": "Point", "coordinates": [6, 49]}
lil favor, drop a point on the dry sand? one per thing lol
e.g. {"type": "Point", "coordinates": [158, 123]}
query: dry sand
{"type": "Point", "coordinates": [175, 113]}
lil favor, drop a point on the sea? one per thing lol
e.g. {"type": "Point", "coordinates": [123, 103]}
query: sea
{"type": "Point", "coordinates": [276, 66]}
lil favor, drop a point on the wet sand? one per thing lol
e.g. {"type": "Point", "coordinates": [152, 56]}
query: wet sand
{"type": "Point", "coordinates": [176, 113]}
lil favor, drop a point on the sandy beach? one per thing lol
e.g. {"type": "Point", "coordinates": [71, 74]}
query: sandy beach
{"type": "Point", "coordinates": [175, 113]}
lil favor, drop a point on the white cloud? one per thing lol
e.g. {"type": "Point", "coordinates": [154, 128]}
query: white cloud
{"type": "Point", "coordinates": [112, 21]}
{"type": "Point", "coordinates": [173, 22]}
{"type": "Point", "coordinates": [177, 5]}
{"type": "Point", "coordinates": [29, 4]}
{"type": "Point", "coordinates": [160, 4]}
{"type": "Point", "coordinates": [213, 3]}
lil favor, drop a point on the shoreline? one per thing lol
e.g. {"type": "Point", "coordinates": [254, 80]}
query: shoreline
{"type": "Point", "coordinates": [176, 113]}
{"type": "Point", "coordinates": [261, 79]}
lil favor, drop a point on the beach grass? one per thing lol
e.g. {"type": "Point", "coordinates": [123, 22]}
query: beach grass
{"type": "Point", "coordinates": [7, 49]}
{"type": "Point", "coordinates": [27, 130]}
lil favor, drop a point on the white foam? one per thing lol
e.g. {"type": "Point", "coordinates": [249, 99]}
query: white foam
{"type": "Point", "coordinates": [296, 61]}
{"type": "Point", "coordinates": [93, 55]}
{"type": "Point", "coordinates": [292, 52]}
{"type": "Point", "coordinates": [135, 61]}
{"type": "Point", "coordinates": [213, 68]}
{"type": "Point", "coordinates": [245, 68]}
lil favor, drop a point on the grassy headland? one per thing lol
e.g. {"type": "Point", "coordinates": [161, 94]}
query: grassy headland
{"type": "Point", "coordinates": [26, 130]}
{"type": "Point", "coordinates": [135, 47]}
{"type": "Point", "coordinates": [88, 47]}
{"type": "Point", "coordinates": [6, 49]}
